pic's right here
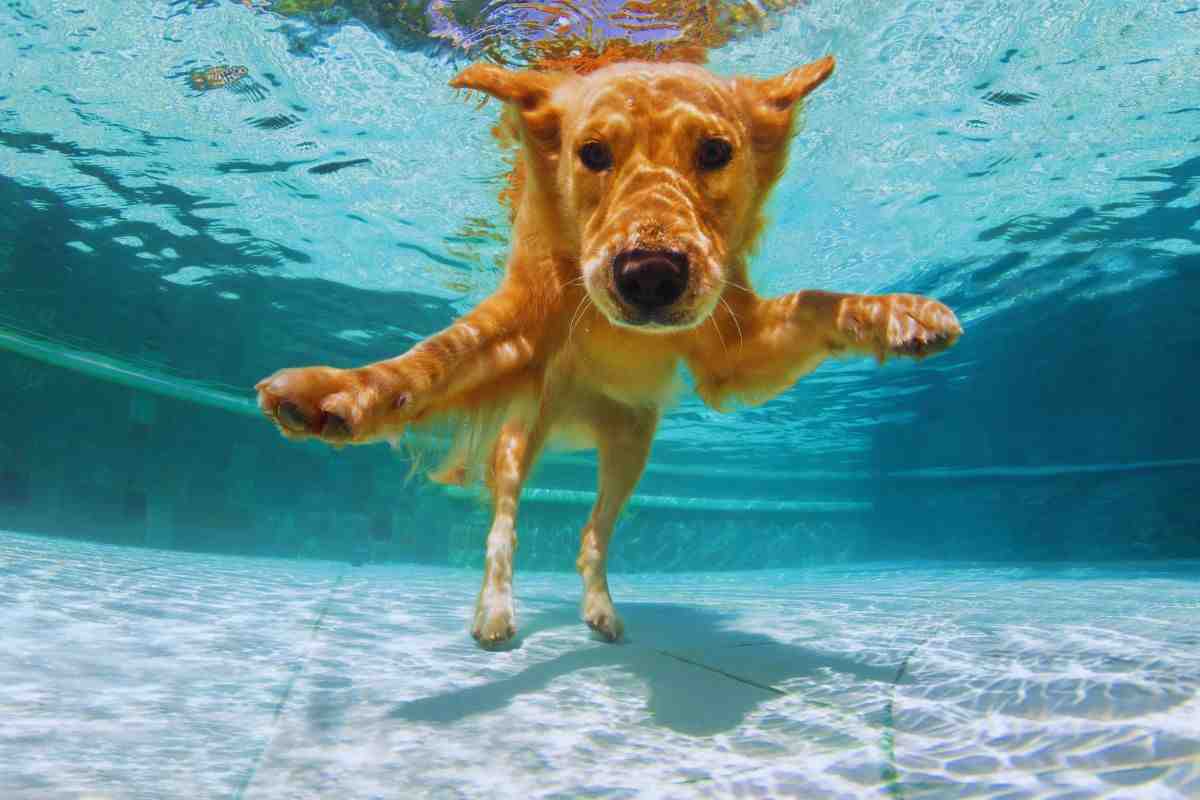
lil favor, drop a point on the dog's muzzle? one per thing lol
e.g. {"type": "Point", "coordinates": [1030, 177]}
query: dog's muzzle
{"type": "Point", "coordinates": [650, 280]}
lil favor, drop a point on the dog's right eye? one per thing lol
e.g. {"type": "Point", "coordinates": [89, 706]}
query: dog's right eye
{"type": "Point", "coordinates": [714, 154]}
{"type": "Point", "coordinates": [596, 156]}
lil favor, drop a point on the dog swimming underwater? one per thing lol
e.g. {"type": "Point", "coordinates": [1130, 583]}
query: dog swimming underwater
{"type": "Point", "coordinates": [641, 196]}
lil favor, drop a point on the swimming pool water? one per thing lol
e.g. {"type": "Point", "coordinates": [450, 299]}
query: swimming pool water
{"type": "Point", "coordinates": [1031, 164]}
{"type": "Point", "coordinates": [972, 575]}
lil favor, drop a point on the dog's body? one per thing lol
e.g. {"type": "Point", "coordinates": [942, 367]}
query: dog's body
{"type": "Point", "coordinates": [641, 195]}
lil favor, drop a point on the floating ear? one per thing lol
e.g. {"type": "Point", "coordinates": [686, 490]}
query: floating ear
{"type": "Point", "coordinates": [526, 90]}
{"type": "Point", "coordinates": [771, 103]}
{"type": "Point", "coordinates": [786, 90]}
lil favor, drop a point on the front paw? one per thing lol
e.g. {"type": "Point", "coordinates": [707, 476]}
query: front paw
{"type": "Point", "coordinates": [899, 324]}
{"type": "Point", "coordinates": [339, 406]}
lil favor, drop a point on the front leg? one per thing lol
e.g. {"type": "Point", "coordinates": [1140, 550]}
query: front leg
{"type": "Point", "coordinates": [767, 345]}
{"type": "Point", "coordinates": [354, 406]}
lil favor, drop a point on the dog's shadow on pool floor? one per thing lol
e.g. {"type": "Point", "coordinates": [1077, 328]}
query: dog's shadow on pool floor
{"type": "Point", "coordinates": [703, 676]}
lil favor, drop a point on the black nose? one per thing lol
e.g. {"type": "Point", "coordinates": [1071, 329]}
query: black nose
{"type": "Point", "coordinates": [650, 279]}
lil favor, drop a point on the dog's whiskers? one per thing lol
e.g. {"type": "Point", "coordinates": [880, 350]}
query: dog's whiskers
{"type": "Point", "coordinates": [578, 315]}
{"type": "Point", "coordinates": [720, 335]}
{"type": "Point", "coordinates": [733, 316]}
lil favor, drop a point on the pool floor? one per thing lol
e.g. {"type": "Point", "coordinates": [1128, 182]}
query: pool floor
{"type": "Point", "coordinates": [132, 673]}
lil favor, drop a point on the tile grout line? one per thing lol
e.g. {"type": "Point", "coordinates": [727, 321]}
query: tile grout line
{"type": "Point", "coordinates": [287, 691]}
{"type": "Point", "coordinates": [765, 687]}
{"type": "Point", "coordinates": [891, 774]}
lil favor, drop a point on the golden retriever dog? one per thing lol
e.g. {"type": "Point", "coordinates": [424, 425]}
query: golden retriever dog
{"type": "Point", "coordinates": [640, 196]}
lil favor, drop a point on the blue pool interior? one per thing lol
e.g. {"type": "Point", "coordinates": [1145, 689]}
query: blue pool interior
{"type": "Point", "coordinates": [907, 580]}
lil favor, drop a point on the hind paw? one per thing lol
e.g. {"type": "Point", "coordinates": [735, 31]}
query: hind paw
{"type": "Point", "coordinates": [493, 627]}
{"type": "Point", "coordinates": [600, 616]}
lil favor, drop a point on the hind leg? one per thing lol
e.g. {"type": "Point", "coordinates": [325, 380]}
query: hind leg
{"type": "Point", "coordinates": [495, 614]}
{"type": "Point", "coordinates": [623, 437]}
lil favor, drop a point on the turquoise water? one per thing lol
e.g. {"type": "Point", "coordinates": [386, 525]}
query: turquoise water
{"type": "Point", "coordinates": [973, 576]}
{"type": "Point", "coordinates": [1034, 165]}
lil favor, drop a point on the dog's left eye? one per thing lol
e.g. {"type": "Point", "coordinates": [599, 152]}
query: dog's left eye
{"type": "Point", "coordinates": [714, 153]}
{"type": "Point", "coordinates": [596, 156]}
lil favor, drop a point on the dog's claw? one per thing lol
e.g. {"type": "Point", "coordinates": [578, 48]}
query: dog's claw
{"type": "Point", "coordinates": [496, 639]}
{"type": "Point", "coordinates": [335, 405]}
{"type": "Point", "coordinates": [610, 629]}
{"type": "Point", "coordinates": [495, 631]}
{"type": "Point", "coordinates": [899, 324]}
{"type": "Point", "coordinates": [600, 615]}
{"type": "Point", "coordinates": [335, 428]}
{"type": "Point", "coordinates": [291, 417]}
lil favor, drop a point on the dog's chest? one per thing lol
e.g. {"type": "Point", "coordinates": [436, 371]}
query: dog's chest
{"type": "Point", "coordinates": [635, 370]}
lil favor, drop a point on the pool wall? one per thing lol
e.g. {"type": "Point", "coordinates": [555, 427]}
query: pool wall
{"type": "Point", "coordinates": [85, 456]}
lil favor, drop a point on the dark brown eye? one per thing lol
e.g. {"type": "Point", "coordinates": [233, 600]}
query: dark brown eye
{"type": "Point", "coordinates": [596, 156]}
{"type": "Point", "coordinates": [714, 153]}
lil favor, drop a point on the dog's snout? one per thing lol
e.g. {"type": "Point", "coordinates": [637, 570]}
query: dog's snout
{"type": "Point", "coordinates": [650, 280]}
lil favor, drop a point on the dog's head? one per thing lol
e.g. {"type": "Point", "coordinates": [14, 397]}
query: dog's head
{"type": "Point", "coordinates": [654, 175]}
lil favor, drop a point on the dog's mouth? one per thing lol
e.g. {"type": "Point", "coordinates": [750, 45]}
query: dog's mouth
{"type": "Point", "coordinates": [657, 322]}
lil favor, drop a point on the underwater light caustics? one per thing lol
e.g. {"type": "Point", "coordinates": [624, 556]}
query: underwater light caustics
{"type": "Point", "coordinates": [558, 34]}
{"type": "Point", "coordinates": [1025, 163]}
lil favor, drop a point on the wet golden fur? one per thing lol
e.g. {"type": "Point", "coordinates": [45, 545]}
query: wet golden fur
{"type": "Point", "coordinates": [664, 167]}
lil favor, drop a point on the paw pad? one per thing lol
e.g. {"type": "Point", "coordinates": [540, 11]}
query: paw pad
{"type": "Point", "coordinates": [336, 405]}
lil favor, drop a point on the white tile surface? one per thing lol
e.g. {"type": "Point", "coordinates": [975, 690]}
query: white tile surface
{"type": "Point", "coordinates": [146, 674]}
